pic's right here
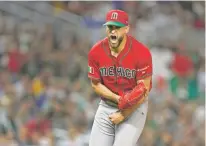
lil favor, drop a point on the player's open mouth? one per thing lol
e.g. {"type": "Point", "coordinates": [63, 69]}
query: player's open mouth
{"type": "Point", "coordinates": [113, 39]}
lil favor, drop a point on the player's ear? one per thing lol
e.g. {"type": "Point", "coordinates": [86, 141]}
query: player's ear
{"type": "Point", "coordinates": [107, 29]}
{"type": "Point", "coordinates": [127, 29]}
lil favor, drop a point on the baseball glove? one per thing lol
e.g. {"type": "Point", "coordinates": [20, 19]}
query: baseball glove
{"type": "Point", "coordinates": [133, 97]}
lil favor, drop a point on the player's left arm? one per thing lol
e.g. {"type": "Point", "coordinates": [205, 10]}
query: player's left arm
{"type": "Point", "coordinates": [143, 75]}
{"type": "Point", "coordinates": [142, 89]}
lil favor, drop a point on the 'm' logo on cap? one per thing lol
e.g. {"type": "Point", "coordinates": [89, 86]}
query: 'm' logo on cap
{"type": "Point", "coordinates": [114, 15]}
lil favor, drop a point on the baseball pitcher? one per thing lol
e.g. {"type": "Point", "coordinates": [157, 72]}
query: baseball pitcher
{"type": "Point", "coordinates": [120, 69]}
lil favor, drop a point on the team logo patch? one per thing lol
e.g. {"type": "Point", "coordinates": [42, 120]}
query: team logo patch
{"type": "Point", "coordinates": [114, 15]}
{"type": "Point", "coordinates": [90, 70]}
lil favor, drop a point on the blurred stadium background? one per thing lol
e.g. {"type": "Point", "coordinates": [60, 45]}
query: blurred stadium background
{"type": "Point", "coordinates": [45, 95]}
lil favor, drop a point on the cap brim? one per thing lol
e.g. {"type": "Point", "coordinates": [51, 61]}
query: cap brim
{"type": "Point", "coordinates": [114, 23]}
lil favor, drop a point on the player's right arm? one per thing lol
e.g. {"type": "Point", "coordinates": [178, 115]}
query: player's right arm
{"type": "Point", "coordinates": [102, 90]}
{"type": "Point", "coordinates": [94, 75]}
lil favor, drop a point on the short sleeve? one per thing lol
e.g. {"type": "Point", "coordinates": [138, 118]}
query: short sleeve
{"type": "Point", "coordinates": [144, 64]}
{"type": "Point", "coordinates": [93, 67]}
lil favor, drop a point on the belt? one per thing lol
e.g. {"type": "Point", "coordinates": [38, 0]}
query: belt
{"type": "Point", "coordinates": [110, 103]}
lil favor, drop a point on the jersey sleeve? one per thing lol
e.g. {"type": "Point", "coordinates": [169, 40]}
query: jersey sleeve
{"type": "Point", "coordinates": [144, 64]}
{"type": "Point", "coordinates": [93, 67]}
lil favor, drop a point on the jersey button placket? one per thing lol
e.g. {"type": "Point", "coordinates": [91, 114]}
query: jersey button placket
{"type": "Point", "coordinates": [115, 72]}
{"type": "Point", "coordinates": [117, 77]}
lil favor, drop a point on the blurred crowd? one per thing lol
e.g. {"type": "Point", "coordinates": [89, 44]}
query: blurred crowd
{"type": "Point", "coordinates": [45, 95]}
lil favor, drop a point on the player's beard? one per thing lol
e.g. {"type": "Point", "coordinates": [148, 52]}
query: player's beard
{"type": "Point", "coordinates": [116, 44]}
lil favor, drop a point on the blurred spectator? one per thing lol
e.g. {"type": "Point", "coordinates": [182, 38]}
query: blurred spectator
{"type": "Point", "coordinates": [182, 64]}
{"type": "Point", "coordinates": [37, 131]}
{"type": "Point", "coordinates": [15, 59]}
{"type": "Point", "coordinates": [33, 65]}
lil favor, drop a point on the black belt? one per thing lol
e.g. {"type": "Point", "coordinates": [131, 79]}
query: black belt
{"type": "Point", "coordinates": [111, 103]}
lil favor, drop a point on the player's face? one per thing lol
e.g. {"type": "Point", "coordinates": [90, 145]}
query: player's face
{"type": "Point", "coordinates": [115, 35]}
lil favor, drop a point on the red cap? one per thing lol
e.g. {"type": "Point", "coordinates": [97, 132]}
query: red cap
{"type": "Point", "coordinates": [117, 17]}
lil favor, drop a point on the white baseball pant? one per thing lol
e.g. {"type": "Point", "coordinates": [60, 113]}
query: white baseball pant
{"type": "Point", "coordinates": [127, 133]}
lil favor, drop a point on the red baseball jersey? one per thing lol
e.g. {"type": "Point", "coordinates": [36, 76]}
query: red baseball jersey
{"type": "Point", "coordinates": [119, 74]}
